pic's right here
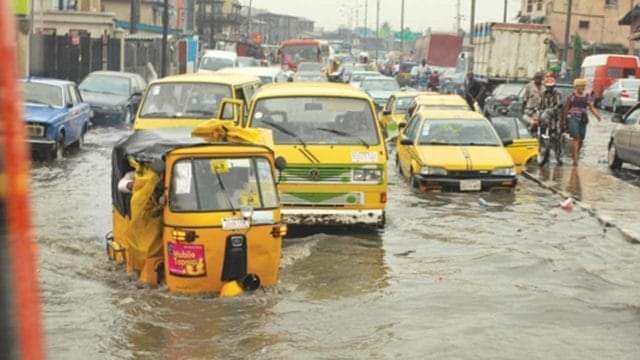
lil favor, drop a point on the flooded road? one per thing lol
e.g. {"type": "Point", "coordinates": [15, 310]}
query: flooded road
{"type": "Point", "coordinates": [447, 278]}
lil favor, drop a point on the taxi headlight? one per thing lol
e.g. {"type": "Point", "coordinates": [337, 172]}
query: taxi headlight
{"type": "Point", "coordinates": [430, 171]}
{"type": "Point", "coordinates": [367, 175]}
{"type": "Point", "coordinates": [506, 171]}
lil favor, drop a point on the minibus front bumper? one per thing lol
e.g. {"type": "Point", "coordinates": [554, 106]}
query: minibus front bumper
{"type": "Point", "coordinates": [334, 217]}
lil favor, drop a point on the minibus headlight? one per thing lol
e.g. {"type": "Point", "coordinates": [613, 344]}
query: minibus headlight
{"type": "Point", "coordinates": [367, 175]}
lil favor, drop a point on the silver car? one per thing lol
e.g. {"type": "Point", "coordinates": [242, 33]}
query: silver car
{"type": "Point", "coordinates": [624, 146]}
{"type": "Point", "coordinates": [621, 95]}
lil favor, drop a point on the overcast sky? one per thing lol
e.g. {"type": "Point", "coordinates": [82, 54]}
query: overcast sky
{"type": "Point", "coordinates": [420, 14]}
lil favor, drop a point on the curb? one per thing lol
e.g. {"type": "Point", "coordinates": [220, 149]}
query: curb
{"type": "Point", "coordinates": [603, 220]}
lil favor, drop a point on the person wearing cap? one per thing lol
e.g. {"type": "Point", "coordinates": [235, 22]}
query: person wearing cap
{"type": "Point", "coordinates": [551, 100]}
{"type": "Point", "coordinates": [575, 115]}
{"type": "Point", "coordinates": [533, 93]}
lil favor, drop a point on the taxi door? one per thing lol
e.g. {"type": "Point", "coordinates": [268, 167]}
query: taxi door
{"type": "Point", "coordinates": [524, 146]}
{"type": "Point", "coordinates": [406, 152]}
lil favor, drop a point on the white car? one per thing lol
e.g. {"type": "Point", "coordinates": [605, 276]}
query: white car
{"type": "Point", "coordinates": [621, 95]}
{"type": "Point", "coordinates": [214, 60]}
{"type": "Point", "coordinates": [267, 75]}
{"type": "Point", "coordinates": [358, 76]}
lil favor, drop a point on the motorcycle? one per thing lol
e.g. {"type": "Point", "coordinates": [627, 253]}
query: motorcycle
{"type": "Point", "coordinates": [549, 133]}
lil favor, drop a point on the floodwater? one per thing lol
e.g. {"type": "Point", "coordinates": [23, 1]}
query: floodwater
{"type": "Point", "coordinates": [448, 278]}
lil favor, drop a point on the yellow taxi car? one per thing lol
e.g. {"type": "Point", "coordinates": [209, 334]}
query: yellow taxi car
{"type": "Point", "coordinates": [437, 101]}
{"type": "Point", "coordinates": [524, 148]}
{"type": "Point", "coordinates": [334, 146]}
{"type": "Point", "coordinates": [453, 150]}
{"type": "Point", "coordinates": [395, 110]}
{"type": "Point", "coordinates": [191, 99]}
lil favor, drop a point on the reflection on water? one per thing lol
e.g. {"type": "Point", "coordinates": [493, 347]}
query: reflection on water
{"type": "Point", "coordinates": [574, 186]}
{"type": "Point", "coordinates": [450, 277]}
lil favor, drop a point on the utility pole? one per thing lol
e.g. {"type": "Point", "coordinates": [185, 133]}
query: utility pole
{"type": "Point", "coordinates": [506, 5]}
{"type": "Point", "coordinates": [377, 28]}
{"type": "Point", "coordinates": [134, 18]}
{"type": "Point", "coordinates": [165, 31]}
{"type": "Point", "coordinates": [458, 17]}
{"type": "Point", "coordinates": [473, 21]}
{"type": "Point", "coordinates": [366, 13]}
{"type": "Point", "coordinates": [402, 28]}
{"type": "Point", "coordinates": [249, 19]}
{"type": "Point", "coordinates": [567, 30]}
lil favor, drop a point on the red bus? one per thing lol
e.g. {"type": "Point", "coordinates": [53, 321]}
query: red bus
{"type": "Point", "coordinates": [602, 70]}
{"type": "Point", "coordinates": [293, 52]}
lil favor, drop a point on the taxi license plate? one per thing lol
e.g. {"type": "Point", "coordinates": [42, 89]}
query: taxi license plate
{"type": "Point", "coordinates": [470, 185]}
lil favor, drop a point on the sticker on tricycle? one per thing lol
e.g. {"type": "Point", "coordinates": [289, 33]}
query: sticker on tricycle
{"type": "Point", "coordinates": [186, 260]}
{"type": "Point", "coordinates": [234, 224]}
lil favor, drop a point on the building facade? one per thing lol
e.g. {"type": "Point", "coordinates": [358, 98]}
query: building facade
{"type": "Point", "coordinates": [595, 21]}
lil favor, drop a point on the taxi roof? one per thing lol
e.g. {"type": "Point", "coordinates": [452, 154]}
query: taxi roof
{"type": "Point", "coordinates": [440, 100]}
{"type": "Point", "coordinates": [310, 88]}
{"type": "Point", "coordinates": [434, 114]}
{"type": "Point", "coordinates": [232, 79]}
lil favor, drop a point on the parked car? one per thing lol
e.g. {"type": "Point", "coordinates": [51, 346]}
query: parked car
{"type": "Point", "coordinates": [55, 116]}
{"type": "Point", "coordinates": [602, 70]}
{"type": "Point", "coordinates": [624, 146]}
{"type": "Point", "coordinates": [621, 95]}
{"type": "Point", "coordinates": [453, 150]}
{"type": "Point", "coordinates": [380, 89]}
{"type": "Point", "coordinates": [114, 96]}
{"type": "Point", "coordinates": [309, 71]}
{"type": "Point", "coordinates": [267, 75]}
{"type": "Point", "coordinates": [245, 61]}
{"type": "Point", "coordinates": [501, 97]}
{"type": "Point", "coordinates": [214, 60]}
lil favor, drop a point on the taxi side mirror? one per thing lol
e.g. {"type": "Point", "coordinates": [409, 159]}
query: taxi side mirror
{"type": "Point", "coordinates": [402, 125]}
{"type": "Point", "coordinates": [507, 142]}
{"type": "Point", "coordinates": [386, 112]}
{"type": "Point", "coordinates": [406, 141]}
{"type": "Point", "coordinates": [231, 109]}
{"type": "Point", "coordinates": [617, 118]}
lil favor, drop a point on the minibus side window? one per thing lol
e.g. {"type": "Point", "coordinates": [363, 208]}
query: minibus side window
{"type": "Point", "coordinates": [614, 73]}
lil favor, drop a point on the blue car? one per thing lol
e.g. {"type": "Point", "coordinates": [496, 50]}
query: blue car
{"type": "Point", "coordinates": [55, 116]}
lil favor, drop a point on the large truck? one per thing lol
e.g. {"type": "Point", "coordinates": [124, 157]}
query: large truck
{"type": "Point", "coordinates": [439, 49]}
{"type": "Point", "coordinates": [511, 52]}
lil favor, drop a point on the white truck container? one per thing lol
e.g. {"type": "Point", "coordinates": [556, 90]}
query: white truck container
{"type": "Point", "coordinates": [508, 52]}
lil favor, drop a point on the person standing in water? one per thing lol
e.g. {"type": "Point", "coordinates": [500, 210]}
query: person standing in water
{"type": "Point", "coordinates": [576, 117]}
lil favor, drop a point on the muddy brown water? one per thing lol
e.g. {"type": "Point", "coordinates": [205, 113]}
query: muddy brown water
{"type": "Point", "coordinates": [447, 278]}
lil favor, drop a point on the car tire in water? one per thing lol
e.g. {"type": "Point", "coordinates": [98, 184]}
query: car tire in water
{"type": "Point", "coordinates": [612, 157]}
{"type": "Point", "coordinates": [56, 153]}
{"type": "Point", "coordinates": [78, 145]}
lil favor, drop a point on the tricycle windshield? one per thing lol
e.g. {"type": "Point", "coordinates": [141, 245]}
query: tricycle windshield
{"type": "Point", "coordinates": [184, 100]}
{"type": "Point", "coordinates": [222, 184]}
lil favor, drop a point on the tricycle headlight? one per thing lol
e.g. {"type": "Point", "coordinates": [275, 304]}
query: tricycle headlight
{"type": "Point", "coordinates": [506, 171]}
{"type": "Point", "coordinates": [367, 175]}
{"type": "Point", "coordinates": [431, 170]}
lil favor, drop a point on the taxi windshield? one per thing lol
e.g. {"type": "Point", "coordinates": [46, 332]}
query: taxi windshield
{"type": "Point", "coordinates": [458, 132]}
{"type": "Point", "coordinates": [403, 104]}
{"type": "Point", "coordinates": [222, 184]}
{"type": "Point", "coordinates": [183, 100]}
{"type": "Point", "coordinates": [317, 120]}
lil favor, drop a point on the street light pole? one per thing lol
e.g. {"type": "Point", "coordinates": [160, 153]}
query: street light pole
{"type": "Point", "coordinates": [366, 14]}
{"type": "Point", "coordinates": [506, 5]}
{"type": "Point", "coordinates": [567, 31]}
{"type": "Point", "coordinates": [249, 19]}
{"type": "Point", "coordinates": [377, 28]}
{"type": "Point", "coordinates": [473, 20]}
{"type": "Point", "coordinates": [165, 31]}
{"type": "Point", "coordinates": [402, 28]}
